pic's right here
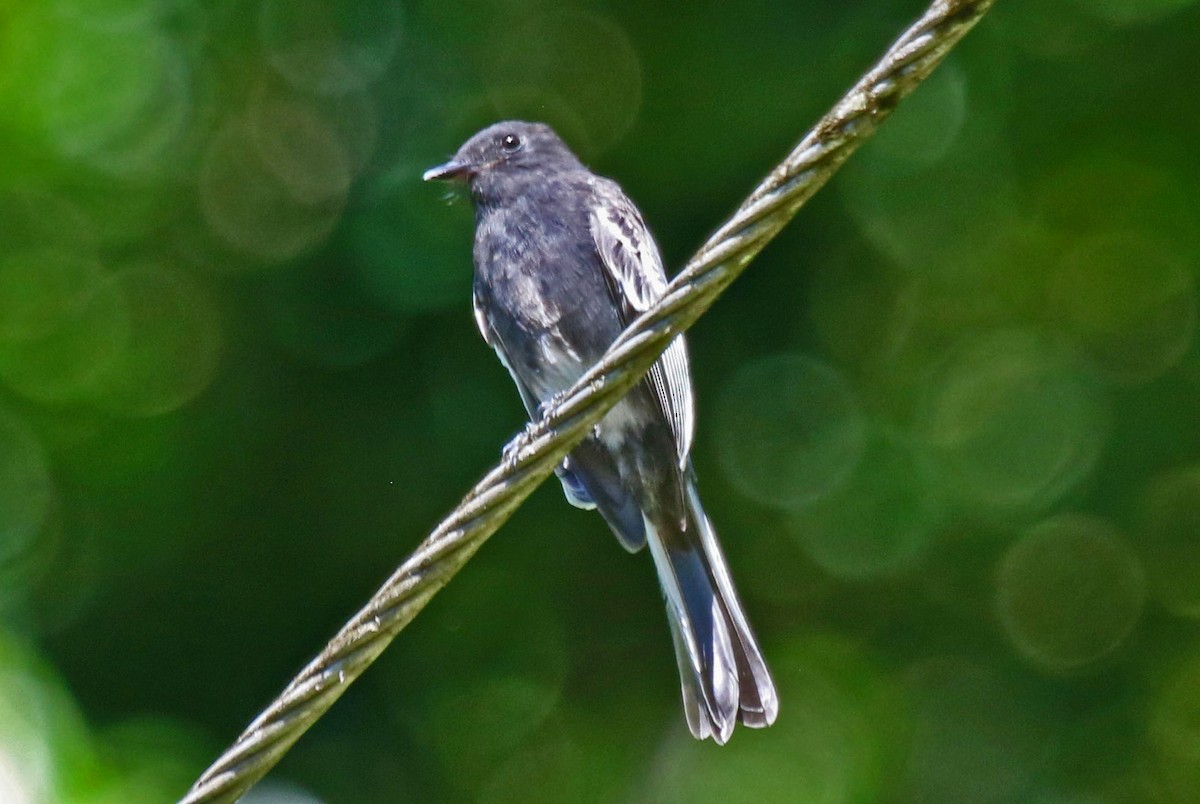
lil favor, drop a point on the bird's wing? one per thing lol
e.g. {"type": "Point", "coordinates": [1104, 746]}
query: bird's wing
{"type": "Point", "coordinates": [492, 339]}
{"type": "Point", "coordinates": [637, 279]}
{"type": "Point", "coordinates": [575, 490]}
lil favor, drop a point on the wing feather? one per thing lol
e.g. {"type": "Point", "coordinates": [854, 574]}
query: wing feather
{"type": "Point", "coordinates": [491, 339]}
{"type": "Point", "coordinates": [637, 278]}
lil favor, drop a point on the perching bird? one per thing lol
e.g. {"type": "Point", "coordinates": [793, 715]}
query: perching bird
{"type": "Point", "coordinates": [563, 262]}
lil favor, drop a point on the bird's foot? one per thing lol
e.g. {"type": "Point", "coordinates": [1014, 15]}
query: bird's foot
{"type": "Point", "coordinates": [511, 452]}
{"type": "Point", "coordinates": [550, 404]}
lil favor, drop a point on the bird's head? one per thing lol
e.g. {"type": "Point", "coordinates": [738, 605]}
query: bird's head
{"type": "Point", "coordinates": [511, 148]}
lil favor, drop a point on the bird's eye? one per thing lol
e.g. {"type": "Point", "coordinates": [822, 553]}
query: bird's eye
{"type": "Point", "coordinates": [510, 143]}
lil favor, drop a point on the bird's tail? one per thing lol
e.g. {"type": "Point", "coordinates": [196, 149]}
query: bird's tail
{"type": "Point", "coordinates": [721, 668]}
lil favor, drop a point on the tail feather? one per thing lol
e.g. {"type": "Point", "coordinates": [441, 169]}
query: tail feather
{"type": "Point", "coordinates": [758, 702]}
{"type": "Point", "coordinates": [722, 671]}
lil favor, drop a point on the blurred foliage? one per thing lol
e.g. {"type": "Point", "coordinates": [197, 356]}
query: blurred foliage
{"type": "Point", "coordinates": [949, 426]}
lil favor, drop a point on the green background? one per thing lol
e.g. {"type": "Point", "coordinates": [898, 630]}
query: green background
{"type": "Point", "coordinates": [949, 425]}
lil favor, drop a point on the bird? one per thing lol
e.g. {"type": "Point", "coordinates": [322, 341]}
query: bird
{"type": "Point", "coordinates": [563, 262]}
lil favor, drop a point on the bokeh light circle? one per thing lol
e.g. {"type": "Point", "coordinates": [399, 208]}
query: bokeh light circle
{"type": "Point", "coordinates": [40, 288]}
{"type": "Point", "coordinates": [256, 211]}
{"type": "Point", "coordinates": [1173, 735]}
{"type": "Point", "coordinates": [569, 57]}
{"type": "Point", "coordinates": [487, 691]}
{"type": "Point", "coordinates": [1129, 301]}
{"type": "Point", "coordinates": [89, 329]}
{"type": "Point", "coordinates": [116, 98]}
{"type": "Point", "coordinates": [26, 489]}
{"type": "Point", "coordinates": [1010, 422]}
{"type": "Point", "coordinates": [301, 148]}
{"type": "Point", "coordinates": [789, 430]}
{"type": "Point", "coordinates": [330, 48]}
{"type": "Point", "coordinates": [147, 758]}
{"type": "Point", "coordinates": [1169, 540]}
{"type": "Point", "coordinates": [116, 15]}
{"type": "Point", "coordinates": [352, 118]}
{"type": "Point", "coordinates": [970, 163]}
{"type": "Point", "coordinates": [878, 523]}
{"type": "Point", "coordinates": [43, 740]}
{"type": "Point", "coordinates": [26, 756]}
{"type": "Point", "coordinates": [862, 311]}
{"type": "Point", "coordinates": [37, 217]}
{"type": "Point", "coordinates": [925, 126]}
{"type": "Point", "coordinates": [491, 716]}
{"type": "Point", "coordinates": [174, 345]}
{"type": "Point", "coordinates": [1069, 592]}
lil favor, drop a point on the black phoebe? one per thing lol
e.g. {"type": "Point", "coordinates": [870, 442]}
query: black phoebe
{"type": "Point", "coordinates": [563, 262]}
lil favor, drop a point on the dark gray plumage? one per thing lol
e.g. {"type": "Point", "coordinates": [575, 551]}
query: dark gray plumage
{"type": "Point", "coordinates": [563, 262]}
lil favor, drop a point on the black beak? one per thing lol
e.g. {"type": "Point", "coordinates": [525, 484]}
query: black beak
{"type": "Point", "coordinates": [450, 171]}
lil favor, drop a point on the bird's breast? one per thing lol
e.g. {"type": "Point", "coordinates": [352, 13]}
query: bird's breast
{"type": "Point", "coordinates": [526, 257]}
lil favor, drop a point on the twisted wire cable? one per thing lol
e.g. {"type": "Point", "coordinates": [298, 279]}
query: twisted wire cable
{"type": "Point", "coordinates": [532, 455]}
